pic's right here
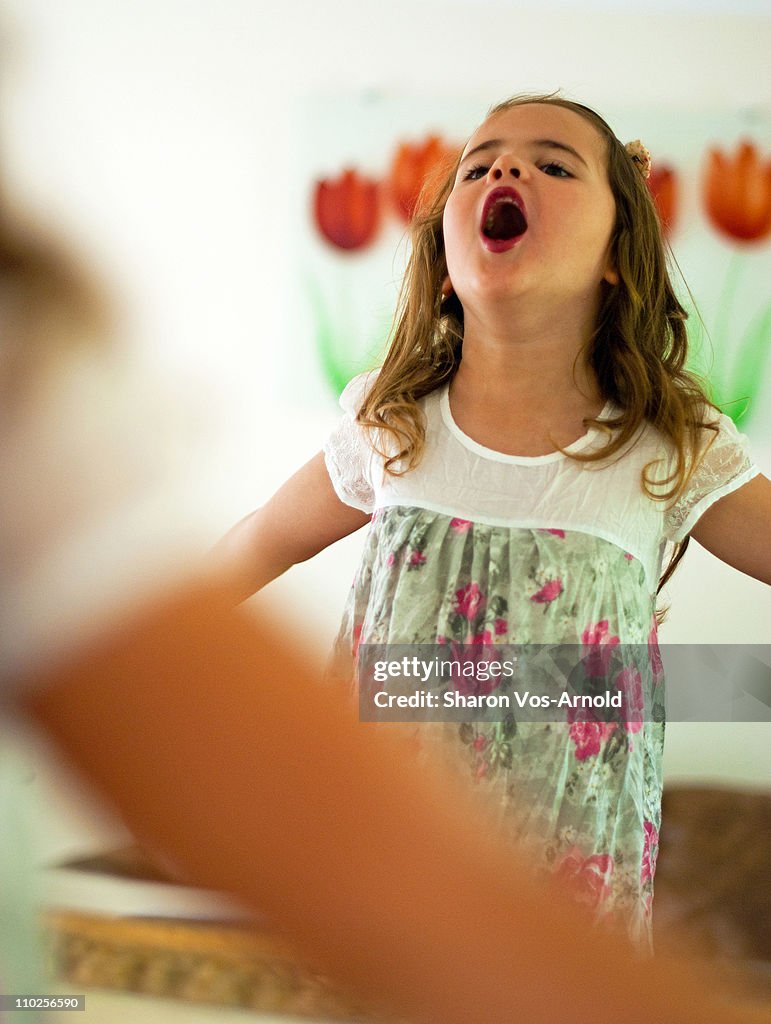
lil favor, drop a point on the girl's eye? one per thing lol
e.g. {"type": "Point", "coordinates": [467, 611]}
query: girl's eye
{"type": "Point", "coordinates": [556, 170]}
{"type": "Point", "coordinates": [475, 173]}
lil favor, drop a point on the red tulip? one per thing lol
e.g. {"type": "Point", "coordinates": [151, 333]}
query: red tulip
{"type": "Point", "coordinates": [416, 165]}
{"type": "Point", "coordinates": [737, 193]}
{"type": "Point", "coordinates": [348, 210]}
{"type": "Point", "coordinates": [663, 186]}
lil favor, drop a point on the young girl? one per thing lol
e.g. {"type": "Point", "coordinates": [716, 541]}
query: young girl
{"type": "Point", "coordinates": [124, 659]}
{"type": "Point", "coordinates": [528, 451]}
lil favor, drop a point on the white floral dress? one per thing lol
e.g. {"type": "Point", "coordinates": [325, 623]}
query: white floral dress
{"type": "Point", "coordinates": [474, 546]}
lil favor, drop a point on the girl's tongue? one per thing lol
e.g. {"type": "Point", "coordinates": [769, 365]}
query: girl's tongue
{"type": "Point", "coordinates": [504, 220]}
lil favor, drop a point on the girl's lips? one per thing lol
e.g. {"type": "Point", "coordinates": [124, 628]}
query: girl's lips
{"type": "Point", "coordinates": [500, 244]}
{"type": "Point", "coordinates": [503, 196]}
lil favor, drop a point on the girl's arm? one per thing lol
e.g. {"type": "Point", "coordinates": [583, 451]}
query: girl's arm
{"type": "Point", "coordinates": [221, 750]}
{"type": "Point", "coordinates": [302, 518]}
{"type": "Point", "coordinates": [737, 529]}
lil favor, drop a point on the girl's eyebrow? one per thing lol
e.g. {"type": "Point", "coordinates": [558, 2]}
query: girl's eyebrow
{"type": "Point", "coordinates": [489, 144]}
{"type": "Point", "coordinates": [553, 144]}
{"type": "Point", "coordinates": [537, 143]}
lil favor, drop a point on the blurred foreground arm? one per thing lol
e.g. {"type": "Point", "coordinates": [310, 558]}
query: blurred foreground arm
{"type": "Point", "coordinates": [225, 753]}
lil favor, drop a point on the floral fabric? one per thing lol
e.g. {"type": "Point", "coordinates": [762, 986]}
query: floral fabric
{"type": "Point", "coordinates": [583, 795]}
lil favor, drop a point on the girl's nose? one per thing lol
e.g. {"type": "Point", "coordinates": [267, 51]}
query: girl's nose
{"type": "Point", "coordinates": [504, 167]}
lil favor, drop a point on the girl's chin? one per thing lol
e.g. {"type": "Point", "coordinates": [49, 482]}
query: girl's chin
{"type": "Point", "coordinates": [498, 284]}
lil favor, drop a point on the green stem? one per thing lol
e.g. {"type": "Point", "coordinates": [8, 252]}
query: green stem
{"type": "Point", "coordinates": [337, 370]}
{"type": "Point", "coordinates": [722, 321]}
{"type": "Point", "coordinates": [749, 366]}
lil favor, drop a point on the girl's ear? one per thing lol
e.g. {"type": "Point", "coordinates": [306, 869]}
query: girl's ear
{"type": "Point", "coordinates": [611, 271]}
{"type": "Point", "coordinates": [446, 289]}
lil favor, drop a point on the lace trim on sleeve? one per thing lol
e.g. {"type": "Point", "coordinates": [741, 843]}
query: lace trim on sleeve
{"type": "Point", "coordinates": [347, 451]}
{"type": "Point", "coordinates": [724, 466]}
{"type": "Point", "coordinates": [355, 391]}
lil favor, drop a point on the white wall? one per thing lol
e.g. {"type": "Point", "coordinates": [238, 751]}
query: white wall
{"type": "Point", "coordinates": [161, 136]}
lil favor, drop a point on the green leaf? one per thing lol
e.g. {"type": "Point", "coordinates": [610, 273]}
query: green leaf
{"type": "Point", "coordinates": [749, 370]}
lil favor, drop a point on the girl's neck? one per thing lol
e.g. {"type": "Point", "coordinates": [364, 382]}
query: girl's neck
{"type": "Point", "coordinates": [526, 332]}
{"type": "Point", "coordinates": [536, 365]}
{"type": "Point", "coordinates": [524, 400]}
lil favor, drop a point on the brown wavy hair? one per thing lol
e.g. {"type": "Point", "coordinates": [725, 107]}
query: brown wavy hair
{"type": "Point", "coordinates": [638, 349]}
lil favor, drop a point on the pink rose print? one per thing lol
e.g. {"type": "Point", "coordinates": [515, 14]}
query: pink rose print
{"type": "Point", "coordinates": [469, 601]}
{"type": "Point", "coordinates": [589, 737]}
{"type": "Point", "coordinates": [467, 684]}
{"type": "Point", "coordinates": [482, 638]}
{"type": "Point", "coordinates": [480, 742]}
{"type": "Point", "coordinates": [600, 646]}
{"type": "Point", "coordinates": [629, 681]}
{"type": "Point", "coordinates": [548, 592]}
{"type": "Point", "coordinates": [555, 533]}
{"type": "Point", "coordinates": [417, 558]}
{"type": "Point", "coordinates": [650, 852]}
{"type": "Point", "coordinates": [657, 665]}
{"type": "Point", "coordinates": [598, 634]}
{"type": "Point", "coordinates": [628, 557]}
{"type": "Point", "coordinates": [391, 560]}
{"type": "Point", "coordinates": [588, 877]}
{"type": "Point", "coordinates": [501, 626]}
{"type": "Point", "coordinates": [460, 525]}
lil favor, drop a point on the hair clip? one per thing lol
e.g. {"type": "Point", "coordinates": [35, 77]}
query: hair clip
{"type": "Point", "coordinates": [641, 156]}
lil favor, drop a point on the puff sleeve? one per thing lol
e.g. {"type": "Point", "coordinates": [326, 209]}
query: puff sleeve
{"type": "Point", "coordinates": [347, 451]}
{"type": "Point", "coordinates": [724, 466]}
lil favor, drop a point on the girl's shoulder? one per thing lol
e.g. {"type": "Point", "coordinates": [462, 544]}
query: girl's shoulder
{"type": "Point", "coordinates": [719, 462]}
{"type": "Point", "coordinates": [720, 434]}
{"type": "Point", "coordinates": [715, 432]}
{"type": "Point", "coordinates": [715, 439]}
{"type": "Point", "coordinates": [723, 454]}
{"type": "Point", "coordinates": [356, 390]}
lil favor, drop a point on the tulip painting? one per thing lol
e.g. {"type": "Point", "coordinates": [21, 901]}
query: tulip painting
{"type": "Point", "coordinates": [415, 166]}
{"type": "Point", "coordinates": [348, 213]}
{"type": "Point", "coordinates": [737, 193]}
{"type": "Point", "coordinates": [713, 200]}
{"type": "Point", "coordinates": [737, 201]}
{"type": "Point", "coordinates": [347, 210]}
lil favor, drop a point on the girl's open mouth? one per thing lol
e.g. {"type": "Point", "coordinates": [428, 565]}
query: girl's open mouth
{"type": "Point", "coordinates": [503, 219]}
